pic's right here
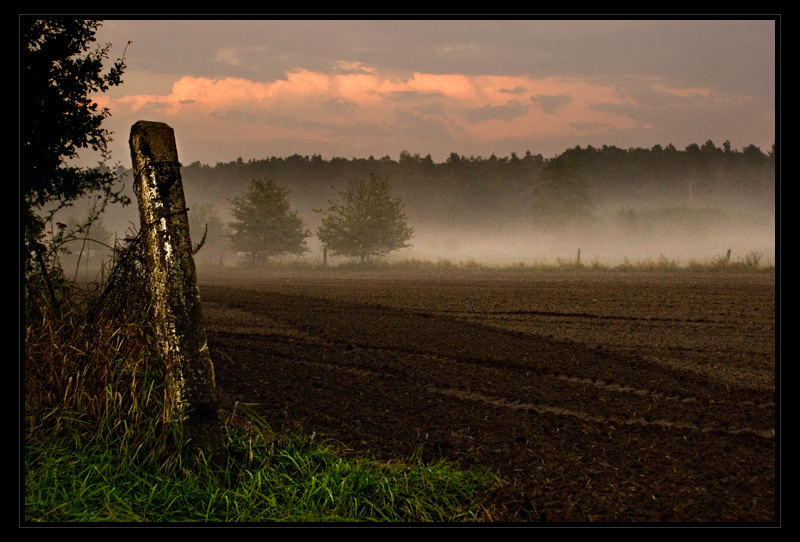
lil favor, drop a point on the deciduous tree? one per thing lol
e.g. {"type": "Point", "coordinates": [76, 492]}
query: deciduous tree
{"type": "Point", "coordinates": [58, 119]}
{"type": "Point", "coordinates": [265, 225]}
{"type": "Point", "coordinates": [367, 221]}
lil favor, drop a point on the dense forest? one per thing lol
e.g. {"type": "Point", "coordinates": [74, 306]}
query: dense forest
{"type": "Point", "coordinates": [660, 190]}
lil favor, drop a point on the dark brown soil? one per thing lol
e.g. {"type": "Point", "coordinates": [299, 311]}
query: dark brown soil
{"type": "Point", "coordinates": [608, 396]}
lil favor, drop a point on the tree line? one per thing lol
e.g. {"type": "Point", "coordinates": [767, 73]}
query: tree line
{"type": "Point", "coordinates": [567, 186]}
{"type": "Point", "coordinates": [473, 191]}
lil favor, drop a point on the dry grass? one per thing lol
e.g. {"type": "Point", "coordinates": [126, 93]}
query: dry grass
{"type": "Point", "coordinates": [93, 360]}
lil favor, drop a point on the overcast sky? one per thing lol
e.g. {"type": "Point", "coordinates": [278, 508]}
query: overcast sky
{"type": "Point", "coordinates": [261, 88]}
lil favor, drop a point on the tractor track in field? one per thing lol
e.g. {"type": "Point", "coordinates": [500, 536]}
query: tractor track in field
{"type": "Point", "coordinates": [658, 404]}
{"type": "Point", "coordinates": [499, 401]}
{"type": "Point", "coordinates": [570, 315]}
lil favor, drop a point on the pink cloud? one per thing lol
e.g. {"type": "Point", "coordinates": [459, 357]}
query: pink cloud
{"type": "Point", "coordinates": [315, 106]}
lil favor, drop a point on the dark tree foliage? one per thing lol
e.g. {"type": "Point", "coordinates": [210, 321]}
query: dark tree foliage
{"type": "Point", "coordinates": [470, 191]}
{"type": "Point", "coordinates": [560, 194]}
{"type": "Point", "coordinates": [58, 118]}
{"type": "Point", "coordinates": [265, 225]}
{"type": "Point", "coordinates": [366, 222]}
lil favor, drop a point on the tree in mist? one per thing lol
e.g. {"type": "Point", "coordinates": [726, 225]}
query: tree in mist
{"type": "Point", "coordinates": [367, 221]}
{"type": "Point", "coordinates": [265, 226]}
{"type": "Point", "coordinates": [58, 118]}
{"type": "Point", "coordinates": [207, 229]}
{"type": "Point", "coordinates": [560, 194]}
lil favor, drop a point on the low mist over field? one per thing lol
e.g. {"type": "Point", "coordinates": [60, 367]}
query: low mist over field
{"type": "Point", "coordinates": [510, 211]}
{"type": "Point", "coordinates": [703, 236]}
{"type": "Point", "coordinates": [679, 234]}
{"type": "Point", "coordinates": [604, 240]}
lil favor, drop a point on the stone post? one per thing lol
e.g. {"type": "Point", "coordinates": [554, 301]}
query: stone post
{"type": "Point", "coordinates": [191, 396]}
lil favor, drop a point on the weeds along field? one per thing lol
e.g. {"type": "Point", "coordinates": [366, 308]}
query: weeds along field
{"type": "Point", "coordinates": [594, 396]}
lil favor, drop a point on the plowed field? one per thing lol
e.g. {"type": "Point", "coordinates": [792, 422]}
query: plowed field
{"type": "Point", "coordinates": [607, 396]}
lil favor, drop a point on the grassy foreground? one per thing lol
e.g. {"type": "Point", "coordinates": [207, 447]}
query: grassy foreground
{"type": "Point", "coordinates": [96, 447]}
{"type": "Point", "coordinates": [71, 476]}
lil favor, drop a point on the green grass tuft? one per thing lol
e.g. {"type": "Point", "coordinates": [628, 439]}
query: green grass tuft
{"type": "Point", "coordinates": [72, 476]}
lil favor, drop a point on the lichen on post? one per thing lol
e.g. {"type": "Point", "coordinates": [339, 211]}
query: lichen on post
{"type": "Point", "coordinates": [191, 396]}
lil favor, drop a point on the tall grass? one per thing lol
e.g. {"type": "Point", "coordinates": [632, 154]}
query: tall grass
{"type": "Point", "coordinates": [97, 448]}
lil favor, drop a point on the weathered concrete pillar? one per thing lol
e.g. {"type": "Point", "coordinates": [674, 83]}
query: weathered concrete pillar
{"type": "Point", "coordinates": [191, 395]}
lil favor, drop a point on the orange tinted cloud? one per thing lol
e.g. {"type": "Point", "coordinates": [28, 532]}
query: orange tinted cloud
{"type": "Point", "coordinates": [683, 92]}
{"type": "Point", "coordinates": [457, 86]}
{"type": "Point", "coordinates": [335, 106]}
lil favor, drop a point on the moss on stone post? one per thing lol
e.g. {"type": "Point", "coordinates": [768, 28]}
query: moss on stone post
{"type": "Point", "coordinates": [191, 396]}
